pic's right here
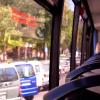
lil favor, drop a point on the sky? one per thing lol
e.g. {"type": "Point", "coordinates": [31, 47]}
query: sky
{"type": "Point", "coordinates": [70, 4]}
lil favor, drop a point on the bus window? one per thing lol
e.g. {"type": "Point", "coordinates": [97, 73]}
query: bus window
{"type": "Point", "coordinates": [65, 39]}
{"type": "Point", "coordinates": [79, 41]}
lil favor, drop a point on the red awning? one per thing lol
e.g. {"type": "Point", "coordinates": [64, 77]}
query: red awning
{"type": "Point", "coordinates": [23, 18]}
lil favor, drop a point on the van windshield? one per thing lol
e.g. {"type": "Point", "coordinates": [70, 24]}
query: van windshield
{"type": "Point", "coordinates": [8, 74]}
{"type": "Point", "coordinates": [25, 70]}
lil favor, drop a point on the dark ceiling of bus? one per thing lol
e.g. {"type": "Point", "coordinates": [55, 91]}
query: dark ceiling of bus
{"type": "Point", "coordinates": [94, 6]}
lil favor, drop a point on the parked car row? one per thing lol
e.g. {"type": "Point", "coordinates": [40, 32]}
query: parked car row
{"type": "Point", "coordinates": [28, 86]}
{"type": "Point", "coordinates": [42, 73]}
{"type": "Point", "coordinates": [25, 78]}
{"type": "Point", "coordinates": [22, 79]}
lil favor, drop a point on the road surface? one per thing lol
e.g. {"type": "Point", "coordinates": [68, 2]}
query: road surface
{"type": "Point", "coordinates": [41, 94]}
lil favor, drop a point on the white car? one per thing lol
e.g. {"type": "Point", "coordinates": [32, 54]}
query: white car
{"type": "Point", "coordinates": [45, 67]}
{"type": "Point", "coordinates": [41, 72]}
{"type": "Point", "coordinates": [9, 82]}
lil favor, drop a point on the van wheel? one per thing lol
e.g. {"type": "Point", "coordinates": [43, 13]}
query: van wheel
{"type": "Point", "coordinates": [29, 98]}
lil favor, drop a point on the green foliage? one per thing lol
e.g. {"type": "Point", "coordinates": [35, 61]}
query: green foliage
{"type": "Point", "coordinates": [5, 19]}
{"type": "Point", "coordinates": [28, 6]}
{"type": "Point", "coordinates": [43, 32]}
{"type": "Point", "coordinates": [48, 24]}
{"type": "Point", "coordinates": [66, 28]}
{"type": "Point", "coordinates": [7, 26]}
{"type": "Point", "coordinates": [7, 2]}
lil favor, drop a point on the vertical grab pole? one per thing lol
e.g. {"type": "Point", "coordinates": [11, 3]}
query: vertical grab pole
{"type": "Point", "coordinates": [55, 43]}
{"type": "Point", "coordinates": [83, 47]}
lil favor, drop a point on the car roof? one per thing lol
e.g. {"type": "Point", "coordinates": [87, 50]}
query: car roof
{"type": "Point", "coordinates": [5, 65]}
{"type": "Point", "coordinates": [19, 62]}
{"type": "Point", "coordinates": [34, 62]}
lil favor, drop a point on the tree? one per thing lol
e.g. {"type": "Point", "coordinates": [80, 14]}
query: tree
{"type": "Point", "coordinates": [66, 28]}
{"type": "Point", "coordinates": [28, 6]}
{"type": "Point", "coordinates": [7, 28]}
{"type": "Point", "coordinates": [44, 30]}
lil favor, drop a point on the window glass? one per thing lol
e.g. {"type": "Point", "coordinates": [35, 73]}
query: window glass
{"type": "Point", "coordinates": [79, 41]}
{"type": "Point", "coordinates": [1, 75]}
{"type": "Point", "coordinates": [8, 74]}
{"type": "Point", "coordinates": [11, 74]}
{"type": "Point", "coordinates": [37, 68]}
{"type": "Point", "coordinates": [65, 40]}
{"type": "Point", "coordinates": [25, 70]}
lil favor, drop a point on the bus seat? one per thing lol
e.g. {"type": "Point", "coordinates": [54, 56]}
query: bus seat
{"type": "Point", "coordinates": [91, 64]}
{"type": "Point", "coordinates": [75, 88]}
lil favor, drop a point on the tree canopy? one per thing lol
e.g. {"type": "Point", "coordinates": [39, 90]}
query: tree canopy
{"type": "Point", "coordinates": [67, 22]}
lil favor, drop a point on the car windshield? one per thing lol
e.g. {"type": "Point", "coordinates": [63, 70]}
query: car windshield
{"type": "Point", "coordinates": [8, 74]}
{"type": "Point", "coordinates": [25, 70]}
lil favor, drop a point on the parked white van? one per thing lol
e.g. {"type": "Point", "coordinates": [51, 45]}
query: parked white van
{"type": "Point", "coordinates": [9, 82]}
{"type": "Point", "coordinates": [41, 73]}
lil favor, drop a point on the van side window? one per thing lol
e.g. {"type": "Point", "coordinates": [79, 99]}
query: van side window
{"type": "Point", "coordinates": [8, 74]}
{"type": "Point", "coordinates": [11, 74]}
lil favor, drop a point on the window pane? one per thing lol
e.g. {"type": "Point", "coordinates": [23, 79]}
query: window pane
{"type": "Point", "coordinates": [25, 70]}
{"type": "Point", "coordinates": [11, 74]}
{"type": "Point", "coordinates": [8, 74]}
